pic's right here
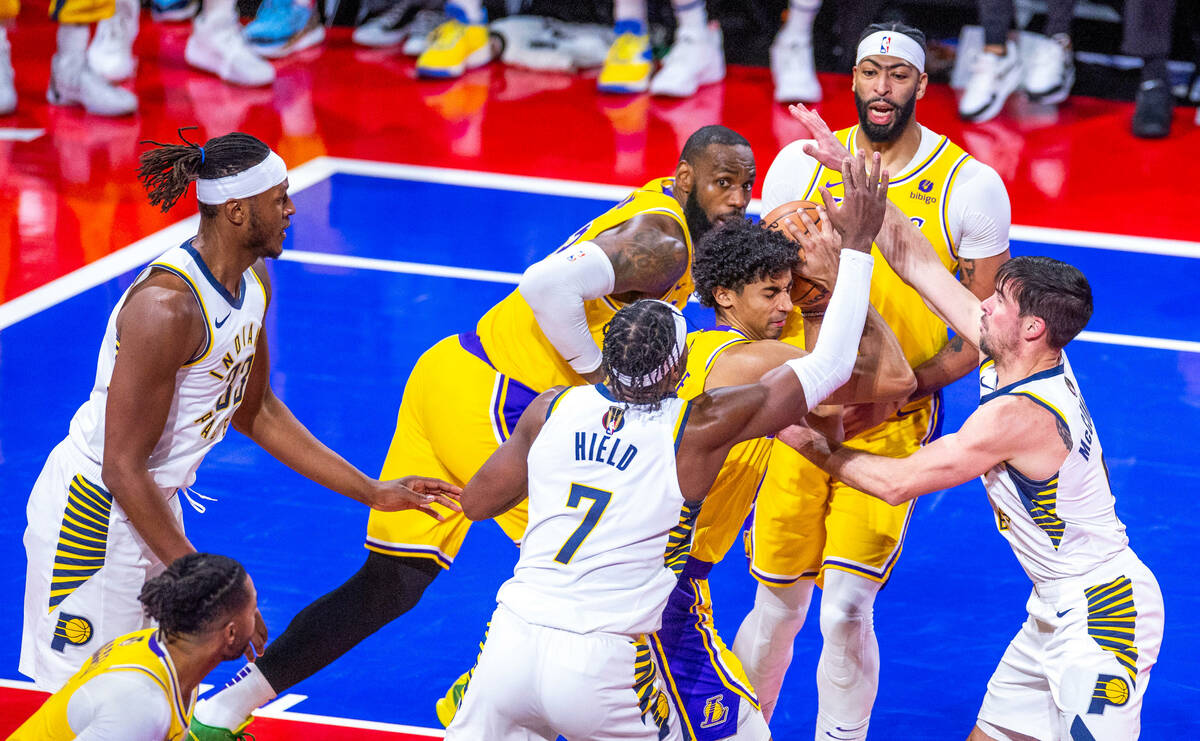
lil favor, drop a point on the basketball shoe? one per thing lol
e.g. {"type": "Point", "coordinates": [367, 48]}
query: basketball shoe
{"type": "Point", "coordinates": [1049, 67]}
{"type": "Point", "coordinates": [72, 82]}
{"type": "Point", "coordinates": [993, 78]}
{"type": "Point", "coordinates": [420, 31]}
{"type": "Point", "coordinates": [629, 62]}
{"type": "Point", "coordinates": [217, 46]}
{"type": "Point", "coordinates": [389, 27]}
{"type": "Point", "coordinates": [111, 52]}
{"type": "Point", "coordinates": [447, 707]}
{"type": "Point", "coordinates": [197, 731]}
{"type": "Point", "coordinates": [697, 58]}
{"type": "Point", "coordinates": [283, 27]}
{"type": "Point", "coordinates": [8, 91]}
{"type": "Point", "coordinates": [455, 47]}
{"type": "Point", "coordinates": [167, 11]}
{"type": "Point", "coordinates": [793, 69]}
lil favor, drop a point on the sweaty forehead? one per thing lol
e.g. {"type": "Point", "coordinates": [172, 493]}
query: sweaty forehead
{"type": "Point", "coordinates": [727, 158]}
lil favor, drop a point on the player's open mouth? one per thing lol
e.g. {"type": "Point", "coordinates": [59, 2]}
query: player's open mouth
{"type": "Point", "coordinates": [880, 113]}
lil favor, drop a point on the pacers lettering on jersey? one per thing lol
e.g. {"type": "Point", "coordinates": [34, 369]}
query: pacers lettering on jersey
{"type": "Point", "coordinates": [1089, 432]}
{"type": "Point", "coordinates": [604, 449]}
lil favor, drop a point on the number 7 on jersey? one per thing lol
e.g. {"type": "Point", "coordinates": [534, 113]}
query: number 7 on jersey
{"type": "Point", "coordinates": [600, 499]}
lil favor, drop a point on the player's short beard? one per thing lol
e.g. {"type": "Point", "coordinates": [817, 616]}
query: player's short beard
{"type": "Point", "coordinates": [891, 132]}
{"type": "Point", "coordinates": [697, 220]}
{"type": "Point", "coordinates": [258, 236]}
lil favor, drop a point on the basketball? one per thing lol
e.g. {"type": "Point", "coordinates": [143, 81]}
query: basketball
{"type": "Point", "coordinates": [809, 295]}
{"type": "Point", "coordinates": [787, 213]}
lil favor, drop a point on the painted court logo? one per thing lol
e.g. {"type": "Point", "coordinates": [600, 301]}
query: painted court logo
{"type": "Point", "coordinates": [613, 420]}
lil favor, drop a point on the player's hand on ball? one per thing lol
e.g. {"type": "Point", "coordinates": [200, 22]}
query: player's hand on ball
{"type": "Point", "coordinates": [416, 492]}
{"type": "Point", "coordinates": [821, 247]}
{"type": "Point", "coordinates": [859, 215]}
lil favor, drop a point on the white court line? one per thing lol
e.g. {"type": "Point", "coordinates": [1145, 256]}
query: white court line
{"type": "Point", "coordinates": [283, 702]}
{"type": "Point", "coordinates": [319, 169]}
{"type": "Point", "coordinates": [19, 684]}
{"type": "Point", "coordinates": [21, 135]}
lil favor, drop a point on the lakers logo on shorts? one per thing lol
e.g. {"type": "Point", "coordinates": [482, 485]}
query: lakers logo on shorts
{"type": "Point", "coordinates": [613, 420]}
{"type": "Point", "coordinates": [71, 629]}
{"type": "Point", "coordinates": [715, 712]}
{"type": "Point", "coordinates": [1109, 690]}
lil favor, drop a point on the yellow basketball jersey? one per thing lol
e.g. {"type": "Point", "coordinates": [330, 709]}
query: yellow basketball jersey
{"type": "Point", "coordinates": [510, 333]}
{"type": "Point", "coordinates": [732, 495]}
{"type": "Point", "coordinates": [140, 651]}
{"type": "Point", "coordinates": [922, 194]}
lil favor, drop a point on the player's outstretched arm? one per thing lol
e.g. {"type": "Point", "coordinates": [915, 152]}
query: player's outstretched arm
{"type": "Point", "coordinates": [994, 433]}
{"type": "Point", "coordinates": [161, 328]}
{"type": "Point", "coordinates": [503, 480]}
{"type": "Point", "coordinates": [265, 419]}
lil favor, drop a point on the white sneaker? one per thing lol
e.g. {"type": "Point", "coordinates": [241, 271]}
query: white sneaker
{"type": "Point", "coordinates": [694, 60]}
{"type": "Point", "coordinates": [993, 79]}
{"type": "Point", "coordinates": [418, 32]}
{"type": "Point", "coordinates": [1049, 67]}
{"type": "Point", "coordinates": [73, 83]}
{"type": "Point", "coordinates": [8, 91]}
{"type": "Point", "coordinates": [216, 45]}
{"type": "Point", "coordinates": [793, 69]}
{"type": "Point", "coordinates": [111, 52]}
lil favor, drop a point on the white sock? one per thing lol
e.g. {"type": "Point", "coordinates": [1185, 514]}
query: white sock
{"type": "Point", "coordinates": [848, 671]}
{"type": "Point", "coordinates": [764, 640]}
{"type": "Point", "coordinates": [472, 9]}
{"type": "Point", "coordinates": [800, 16]}
{"type": "Point", "coordinates": [690, 16]}
{"type": "Point", "coordinates": [230, 707]}
{"type": "Point", "coordinates": [630, 10]}
{"type": "Point", "coordinates": [73, 40]}
{"type": "Point", "coordinates": [212, 11]}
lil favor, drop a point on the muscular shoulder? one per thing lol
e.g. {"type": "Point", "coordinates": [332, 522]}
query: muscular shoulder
{"type": "Point", "coordinates": [649, 253]}
{"type": "Point", "coordinates": [749, 361]}
{"type": "Point", "coordinates": [260, 269]}
{"type": "Point", "coordinates": [788, 175]}
{"type": "Point", "coordinates": [1020, 424]}
{"type": "Point", "coordinates": [162, 312]}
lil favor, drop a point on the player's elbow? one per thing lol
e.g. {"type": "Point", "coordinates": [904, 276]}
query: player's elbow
{"type": "Point", "coordinates": [897, 491]}
{"type": "Point", "coordinates": [474, 507]}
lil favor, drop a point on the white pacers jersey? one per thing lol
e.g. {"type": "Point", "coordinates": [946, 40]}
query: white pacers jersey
{"type": "Point", "coordinates": [208, 388]}
{"type": "Point", "coordinates": [607, 521]}
{"type": "Point", "coordinates": [1065, 525]}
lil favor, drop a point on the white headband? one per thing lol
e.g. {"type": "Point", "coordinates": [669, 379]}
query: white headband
{"type": "Point", "coordinates": [661, 372]}
{"type": "Point", "coordinates": [258, 179]}
{"type": "Point", "coordinates": [892, 44]}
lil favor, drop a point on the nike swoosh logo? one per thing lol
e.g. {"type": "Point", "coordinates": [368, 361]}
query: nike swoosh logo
{"type": "Point", "coordinates": [832, 184]}
{"type": "Point", "coordinates": [1064, 612]}
{"type": "Point", "coordinates": [219, 322]}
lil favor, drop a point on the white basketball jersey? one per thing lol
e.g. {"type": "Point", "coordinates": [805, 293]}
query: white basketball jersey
{"type": "Point", "coordinates": [1065, 525]}
{"type": "Point", "coordinates": [208, 388]}
{"type": "Point", "coordinates": [607, 521]}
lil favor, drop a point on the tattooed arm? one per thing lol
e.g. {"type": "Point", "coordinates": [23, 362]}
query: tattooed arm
{"type": "Point", "coordinates": [648, 253]}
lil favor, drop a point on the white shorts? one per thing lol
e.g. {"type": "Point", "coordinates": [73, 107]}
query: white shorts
{"type": "Point", "coordinates": [533, 682]}
{"type": "Point", "coordinates": [1080, 665]}
{"type": "Point", "coordinates": [85, 566]}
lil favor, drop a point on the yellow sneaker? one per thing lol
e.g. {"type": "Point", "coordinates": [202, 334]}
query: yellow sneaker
{"type": "Point", "coordinates": [447, 707]}
{"type": "Point", "coordinates": [455, 46]}
{"type": "Point", "coordinates": [629, 62]}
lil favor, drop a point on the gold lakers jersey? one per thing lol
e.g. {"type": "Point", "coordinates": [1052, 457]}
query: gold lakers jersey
{"type": "Point", "coordinates": [510, 333]}
{"type": "Point", "coordinates": [923, 194]}
{"type": "Point", "coordinates": [140, 651]}
{"type": "Point", "coordinates": [732, 495]}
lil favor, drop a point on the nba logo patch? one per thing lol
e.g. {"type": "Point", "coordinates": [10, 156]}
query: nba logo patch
{"type": "Point", "coordinates": [613, 420]}
{"type": "Point", "coordinates": [576, 256]}
{"type": "Point", "coordinates": [885, 44]}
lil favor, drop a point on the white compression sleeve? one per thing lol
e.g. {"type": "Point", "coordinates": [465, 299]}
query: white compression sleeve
{"type": "Point", "coordinates": [832, 360]}
{"type": "Point", "coordinates": [556, 288]}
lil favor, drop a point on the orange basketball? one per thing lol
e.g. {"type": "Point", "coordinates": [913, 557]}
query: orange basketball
{"type": "Point", "coordinates": [809, 295]}
{"type": "Point", "coordinates": [787, 214]}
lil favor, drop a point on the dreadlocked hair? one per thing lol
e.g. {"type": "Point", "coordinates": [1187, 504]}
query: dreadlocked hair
{"type": "Point", "coordinates": [638, 340]}
{"type": "Point", "coordinates": [195, 591]}
{"type": "Point", "coordinates": [167, 170]}
{"type": "Point", "coordinates": [738, 253]}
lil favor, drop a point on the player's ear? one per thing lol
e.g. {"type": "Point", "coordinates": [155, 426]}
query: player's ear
{"type": "Point", "coordinates": [1033, 327]}
{"type": "Point", "coordinates": [921, 83]}
{"type": "Point", "coordinates": [235, 211]}
{"type": "Point", "coordinates": [685, 176]}
{"type": "Point", "coordinates": [723, 296]}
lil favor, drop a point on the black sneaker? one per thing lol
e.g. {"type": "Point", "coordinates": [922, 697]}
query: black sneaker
{"type": "Point", "coordinates": [1152, 113]}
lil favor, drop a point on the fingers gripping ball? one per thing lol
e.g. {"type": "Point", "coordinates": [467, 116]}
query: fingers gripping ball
{"type": "Point", "coordinates": [809, 295]}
